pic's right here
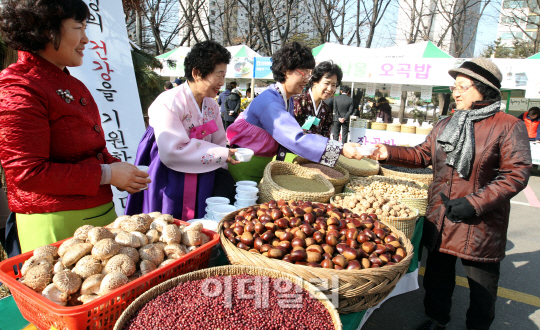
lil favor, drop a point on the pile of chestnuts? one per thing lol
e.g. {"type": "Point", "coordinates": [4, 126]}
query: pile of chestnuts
{"type": "Point", "coordinates": [314, 234]}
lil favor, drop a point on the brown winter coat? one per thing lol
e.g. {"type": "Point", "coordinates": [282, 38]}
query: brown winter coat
{"type": "Point", "coordinates": [501, 169]}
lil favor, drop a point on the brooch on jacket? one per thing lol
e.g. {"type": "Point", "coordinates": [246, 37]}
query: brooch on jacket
{"type": "Point", "coordinates": [65, 95]}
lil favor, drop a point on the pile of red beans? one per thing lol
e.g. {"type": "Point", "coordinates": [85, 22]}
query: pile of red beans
{"type": "Point", "coordinates": [233, 302]}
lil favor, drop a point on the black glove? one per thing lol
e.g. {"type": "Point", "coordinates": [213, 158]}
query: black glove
{"type": "Point", "coordinates": [459, 209]}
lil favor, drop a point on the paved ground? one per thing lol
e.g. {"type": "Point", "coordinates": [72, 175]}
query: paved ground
{"type": "Point", "coordinates": [518, 304]}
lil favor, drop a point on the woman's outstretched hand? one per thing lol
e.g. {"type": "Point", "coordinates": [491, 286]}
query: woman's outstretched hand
{"type": "Point", "coordinates": [381, 153]}
{"type": "Point", "coordinates": [349, 151]}
{"type": "Point", "coordinates": [231, 160]}
{"type": "Point", "coordinates": [127, 177]}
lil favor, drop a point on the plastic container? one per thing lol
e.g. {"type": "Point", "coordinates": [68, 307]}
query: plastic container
{"type": "Point", "coordinates": [243, 154]}
{"type": "Point", "coordinates": [245, 202]}
{"type": "Point", "coordinates": [246, 183]}
{"type": "Point", "coordinates": [143, 168]}
{"type": "Point", "coordinates": [247, 192]}
{"type": "Point", "coordinates": [211, 201]}
{"type": "Point", "coordinates": [103, 312]}
{"type": "Point", "coordinates": [366, 150]}
{"type": "Point", "coordinates": [220, 211]}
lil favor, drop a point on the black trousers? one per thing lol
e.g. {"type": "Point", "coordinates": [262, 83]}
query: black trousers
{"type": "Point", "coordinates": [439, 283]}
{"type": "Point", "coordinates": [336, 128]}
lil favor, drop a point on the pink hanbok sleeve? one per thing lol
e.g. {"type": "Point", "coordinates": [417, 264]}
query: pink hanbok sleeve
{"type": "Point", "coordinates": [176, 149]}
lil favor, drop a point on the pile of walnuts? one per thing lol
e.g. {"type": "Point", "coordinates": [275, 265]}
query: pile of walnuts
{"type": "Point", "coordinates": [375, 186]}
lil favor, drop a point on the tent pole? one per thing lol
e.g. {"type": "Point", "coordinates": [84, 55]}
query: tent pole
{"type": "Point", "coordinates": [252, 88]}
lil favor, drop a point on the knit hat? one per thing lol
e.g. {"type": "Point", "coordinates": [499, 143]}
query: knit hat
{"type": "Point", "coordinates": [481, 69]}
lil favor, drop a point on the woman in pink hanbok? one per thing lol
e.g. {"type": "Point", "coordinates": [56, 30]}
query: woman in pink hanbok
{"type": "Point", "coordinates": [185, 144]}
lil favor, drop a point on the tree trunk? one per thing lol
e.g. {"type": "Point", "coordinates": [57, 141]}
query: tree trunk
{"type": "Point", "coordinates": [402, 106]}
{"type": "Point", "coordinates": [444, 102]}
{"type": "Point", "coordinates": [138, 29]}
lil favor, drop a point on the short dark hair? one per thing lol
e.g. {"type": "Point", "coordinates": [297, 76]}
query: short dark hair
{"type": "Point", "coordinates": [534, 111]}
{"type": "Point", "coordinates": [168, 85]}
{"type": "Point", "coordinates": [248, 90]}
{"type": "Point", "coordinates": [204, 56]}
{"type": "Point", "coordinates": [326, 69]}
{"type": "Point", "coordinates": [382, 99]}
{"type": "Point", "coordinates": [292, 56]}
{"type": "Point", "coordinates": [345, 89]}
{"type": "Point", "coordinates": [229, 86]}
{"type": "Point", "coordinates": [29, 25]}
{"type": "Point", "coordinates": [490, 94]}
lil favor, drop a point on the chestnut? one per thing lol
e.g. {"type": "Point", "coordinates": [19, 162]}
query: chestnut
{"type": "Point", "coordinates": [259, 228]}
{"type": "Point", "coordinates": [318, 237]}
{"type": "Point", "coordinates": [298, 255]}
{"type": "Point", "coordinates": [340, 261]}
{"type": "Point", "coordinates": [401, 252]}
{"type": "Point", "coordinates": [373, 216]}
{"type": "Point", "coordinates": [385, 257]}
{"type": "Point", "coordinates": [368, 247]}
{"type": "Point", "coordinates": [370, 234]}
{"type": "Point", "coordinates": [257, 243]}
{"type": "Point", "coordinates": [255, 251]}
{"type": "Point", "coordinates": [310, 241]}
{"type": "Point", "coordinates": [298, 242]}
{"type": "Point", "coordinates": [265, 217]}
{"type": "Point", "coordinates": [265, 248]}
{"type": "Point", "coordinates": [231, 239]}
{"type": "Point", "coordinates": [281, 203]}
{"type": "Point", "coordinates": [287, 211]}
{"type": "Point", "coordinates": [270, 226]}
{"type": "Point", "coordinates": [350, 225]}
{"type": "Point", "coordinates": [307, 229]}
{"type": "Point", "coordinates": [380, 249]}
{"type": "Point", "coordinates": [287, 258]}
{"type": "Point", "coordinates": [378, 241]}
{"type": "Point", "coordinates": [229, 232]}
{"type": "Point", "coordinates": [332, 221]}
{"type": "Point", "coordinates": [327, 263]}
{"type": "Point", "coordinates": [309, 217]}
{"type": "Point", "coordinates": [313, 256]}
{"type": "Point", "coordinates": [354, 265]}
{"type": "Point", "coordinates": [338, 267]}
{"type": "Point", "coordinates": [247, 238]}
{"type": "Point", "coordinates": [331, 239]}
{"type": "Point", "coordinates": [239, 230]}
{"type": "Point", "coordinates": [300, 234]}
{"type": "Point", "coordinates": [298, 212]}
{"type": "Point", "coordinates": [307, 208]}
{"type": "Point", "coordinates": [376, 261]}
{"type": "Point", "coordinates": [333, 228]}
{"type": "Point", "coordinates": [362, 237]}
{"type": "Point", "coordinates": [321, 224]}
{"type": "Point", "coordinates": [395, 244]}
{"type": "Point", "coordinates": [352, 243]}
{"type": "Point", "coordinates": [282, 223]}
{"type": "Point", "coordinates": [249, 227]}
{"type": "Point", "coordinates": [373, 255]}
{"type": "Point", "coordinates": [327, 256]}
{"type": "Point", "coordinates": [341, 246]}
{"type": "Point", "coordinates": [295, 222]}
{"type": "Point", "coordinates": [363, 216]}
{"type": "Point", "coordinates": [361, 253]}
{"type": "Point", "coordinates": [356, 223]}
{"type": "Point", "coordinates": [298, 248]}
{"type": "Point", "coordinates": [243, 246]}
{"type": "Point", "coordinates": [287, 236]}
{"type": "Point", "coordinates": [315, 248]}
{"type": "Point", "coordinates": [365, 263]}
{"type": "Point", "coordinates": [349, 253]}
{"type": "Point", "coordinates": [268, 236]}
{"type": "Point", "coordinates": [333, 232]}
{"type": "Point", "coordinates": [275, 253]}
{"type": "Point", "coordinates": [285, 244]}
{"type": "Point", "coordinates": [379, 232]}
{"type": "Point", "coordinates": [278, 233]}
{"type": "Point", "coordinates": [283, 249]}
{"type": "Point", "coordinates": [396, 258]}
{"type": "Point", "coordinates": [390, 248]}
{"type": "Point", "coordinates": [314, 264]}
{"type": "Point", "coordinates": [352, 233]}
{"type": "Point", "coordinates": [301, 263]}
{"type": "Point", "coordinates": [328, 248]}
{"type": "Point", "coordinates": [275, 242]}
{"type": "Point", "coordinates": [367, 223]}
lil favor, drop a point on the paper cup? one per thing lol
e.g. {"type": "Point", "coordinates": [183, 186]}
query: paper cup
{"type": "Point", "coordinates": [244, 154]}
{"type": "Point", "coordinates": [366, 150]}
{"type": "Point", "coordinates": [211, 201]}
{"type": "Point", "coordinates": [223, 209]}
{"type": "Point", "coordinates": [143, 168]}
{"type": "Point", "coordinates": [245, 202]}
{"type": "Point", "coordinates": [247, 192]}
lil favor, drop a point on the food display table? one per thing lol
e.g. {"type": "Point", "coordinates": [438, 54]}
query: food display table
{"type": "Point", "coordinates": [13, 319]}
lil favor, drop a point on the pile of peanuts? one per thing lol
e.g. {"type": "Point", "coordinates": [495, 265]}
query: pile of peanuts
{"type": "Point", "coordinates": [377, 204]}
{"type": "Point", "coordinates": [387, 187]}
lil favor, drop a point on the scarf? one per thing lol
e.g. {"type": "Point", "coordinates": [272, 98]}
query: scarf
{"type": "Point", "coordinates": [457, 138]}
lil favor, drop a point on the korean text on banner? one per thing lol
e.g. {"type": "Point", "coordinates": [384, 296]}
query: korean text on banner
{"type": "Point", "coordinates": [426, 93]}
{"type": "Point", "coordinates": [262, 68]}
{"type": "Point", "coordinates": [108, 73]}
{"type": "Point", "coordinates": [395, 90]}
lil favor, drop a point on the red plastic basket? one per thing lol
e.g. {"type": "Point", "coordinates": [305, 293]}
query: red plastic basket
{"type": "Point", "coordinates": [103, 312]}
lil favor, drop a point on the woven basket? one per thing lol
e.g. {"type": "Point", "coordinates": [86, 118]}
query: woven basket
{"type": "Point", "coordinates": [378, 126]}
{"type": "Point", "coordinates": [414, 203]}
{"type": "Point", "coordinates": [225, 271]}
{"type": "Point", "coordinates": [357, 171]}
{"type": "Point", "coordinates": [408, 129]}
{"type": "Point", "coordinates": [269, 190]}
{"type": "Point", "coordinates": [423, 178]}
{"type": "Point", "coordinates": [358, 289]}
{"type": "Point", "coordinates": [393, 127]}
{"type": "Point", "coordinates": [337, 183]}
{"type": "Point", "coordinates": [404, 224]}
{"type": "Point", "coordinates": [424, 131]}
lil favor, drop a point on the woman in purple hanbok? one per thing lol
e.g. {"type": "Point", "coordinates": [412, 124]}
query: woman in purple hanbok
{"type": "Point", "coordinates": [185, 144]}
{"type": "Point", "coordinates": [268, 125]}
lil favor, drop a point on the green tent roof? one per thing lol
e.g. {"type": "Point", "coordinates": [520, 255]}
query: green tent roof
{"type": "Point", "coordinates": [534, 57]}
{"type": "Point", "coordinates": [315, 51]}
{"type": "Point", "coordinates": [167, 54]}
{"type": "Point", "coordinates": [433, 51]}
{"type": "Point", "coordinates": [242, 52]}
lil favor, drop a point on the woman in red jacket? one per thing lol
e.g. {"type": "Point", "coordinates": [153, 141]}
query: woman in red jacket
{"type": "Point", "coordinates": [52, 147]}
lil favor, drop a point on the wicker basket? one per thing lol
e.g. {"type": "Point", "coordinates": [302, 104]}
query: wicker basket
{"type": "Point", "coordinates": [414, 203]}
{"type": "Point", "coordinates": [408, 129]}
{"type": "Point", "coordinates": [424, 131]}
{"type": "Point", "coordinates": [358, 289]}
{"type": "Point", "coordinates": [404, 224]}
{"type": "Point", "coordinates": [378, 126]}
{"type": "Point", "coordinates": [426, 179]}
{"type": "Point", "coordinates": [269, 190]}
{"type": "Point", "coordinates": [225, 271]}
{"type": "Point", "coordinates": [337, 183]}
{"type": "Point", "coordinates": [356, 171]}
{"type": "Point", "coordinates": [393, 127]}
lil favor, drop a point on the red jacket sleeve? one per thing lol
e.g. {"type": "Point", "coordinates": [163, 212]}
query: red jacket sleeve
{"type": "Point", "coordinates": [25, 146]}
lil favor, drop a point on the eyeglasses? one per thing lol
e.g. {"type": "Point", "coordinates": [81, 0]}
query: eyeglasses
{"type": "Point", "coordinates": [305, 75]}
{"type": "Point", "coordinates": [460, 89]}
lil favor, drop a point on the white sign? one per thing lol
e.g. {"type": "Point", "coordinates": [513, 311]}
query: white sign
{"type": "Point", "coordinates": [395, 91]}
{"type": "Point", "coordinates": [259, 90]}
{"type": "Point", "coordinates": [426, 93]}
{"type": "Point", "coordinates": [371, 136]}
{"type": "Point", "coordinates": [535, 152]}
{"type": "Point", "coordinates": [108, 73]}
{"type": "Point", "coordinates": [534, 103]}
{"type": "Point", "coordinates": [518, 104]}
{"type": "Point", "coordinates": [370, 89]}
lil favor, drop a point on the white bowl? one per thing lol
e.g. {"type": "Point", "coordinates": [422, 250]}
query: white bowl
{"type": "Point", "coordinates": [245, 202]}
{"type": "Point", "coordinates": [246, 192]}
{"type": "Point", "coordinates": [211, 201]}
{"type": "Point", "coordinates": [223, 209]}
{"type": "Point", "coordinates": [207, 224]}
{"type": "Point", "coordinates": [246, 183]}
{"type": "Point", "coordinates": [366, 150]}
{"type": "Point", "coordinates": [243, 154]}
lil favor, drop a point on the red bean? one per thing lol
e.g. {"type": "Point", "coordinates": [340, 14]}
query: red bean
{"type": "Point", "coordinates": [187, 307]}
